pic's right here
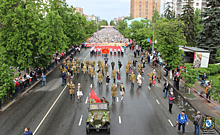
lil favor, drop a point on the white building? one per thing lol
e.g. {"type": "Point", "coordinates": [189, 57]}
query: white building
{"type": "Point", "coordinates": [196, 4]}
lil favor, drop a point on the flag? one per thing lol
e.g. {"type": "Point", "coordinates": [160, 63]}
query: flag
{"type": "Point", "coordinates": [94, 96]}
{"type": "Point", "coordinates": [149, 40]}
{"type": "Point", "coordinates": [87, 39]}
{"type": "Point", "coordinates": [105, 51]}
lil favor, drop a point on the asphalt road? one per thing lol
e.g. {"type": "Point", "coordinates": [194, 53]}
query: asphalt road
{"type": "Point", "coordinates": [49, 110]}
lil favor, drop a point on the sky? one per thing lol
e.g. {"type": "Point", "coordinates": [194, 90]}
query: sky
{"type": "Point", "coordinates": [105, 9]}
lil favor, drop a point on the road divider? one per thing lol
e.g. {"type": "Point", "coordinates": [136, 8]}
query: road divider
{"type": "Point", "coordinates": [157, 101]}
{"type": "Point", "coordinates": [119, 119]}
{"type": "Point", "coordinates": [80, 121]}
{"type": "Point", "coordinates": [49, 110]}
{"type": "Point", "coordinates": [170, 122]}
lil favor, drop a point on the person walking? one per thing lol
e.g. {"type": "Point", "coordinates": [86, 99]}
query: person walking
{"type": "Point", "coordinates": [171, 101]}
{"type": "Point", "coordinates": [100, 77]}
{"type": "Point", "coordinates": [71, 89]}
{"type": "Point", "coordinates": [139, 81]}
{"type": "Point", "coordinates": [118, 75]}
{"type": "Point", "coordinates": [134, 63]}
{"type": "Point", "coordinates": [106, 67]}
{"type": "Point", "coordinates": [150, 78]}
{"type": "Point", "coordinates": [127, 69]}
{"type": "Point", "coordinates": [139, 67]}
{"type": "Point", "coordinates": [68, 77]}
{"type": "Point", "coordinates": [107, 79]}
{"type": "Point", "coordinates": [153, 80]}
{"type": "Point", "coordinates": [93, 63]}
{"type": "Point", "coordinates": [134, 53]}
{"type": "Point", "coordinates": [197, 122]}
{"type": "Point", "coordinates": [181, 120]}
{"type": "Point", "coordinates": [114, 91]}
{"type": "Point", "coordinates": [132, 79]}
{"type": "Point", "coordinates": [27, 131]}
{"type": "Point", "coordinates": [113, 64]}
{"type": "Point", "coordinates": [43, 79]}
{"type": "Point", "coordinates": [166, 88]}
{"type": "Point", "coordinates": [114, 72]}
{"type": "Point", "coordinates": [63, 78]}
{"type": "Point", "coordinates": [207, 92]}
{"type": "Point", "coordinates": [79, 91]}
{"type": "Point", "coordinates": [84, 70]}
{"type": "Point", "coordinates": [92, 72]}
{"type": "Point", "coordinates": [106, 60]}
{"type": "Point", "coordinates": [60, 70]}
{"type": "Point", "coordinates": [77, 68]}
{"type": "Point", "coordinates": [119, 64]}
{"type": "Point", "coordinates": [159, 75]}
{"type": "Point", "coordinates": [122, 91]}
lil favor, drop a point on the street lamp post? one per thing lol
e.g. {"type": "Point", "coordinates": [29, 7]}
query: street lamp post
{"type": "Point", "coordinates": [153, 40]}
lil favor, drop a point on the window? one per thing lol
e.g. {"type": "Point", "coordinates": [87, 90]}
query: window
{"type": "Point", "coordinates": [197, 4]}
{"type": "Point", "coordinates": [156, 4]}
{"type": "Point", "coordinates": [140, 7]}
{"type": "Point", "coordinates": [140, 0]}
{"type": "Point", "coordinates": [153, 3]}
{"type": "Point", "coordinates": [153, 10]}
{"type": "Point", "coordinates": [140, 3]}
{"type": "Point", "coordinates": [146, 7]}
{"type": "Point", "coordinates": [146, 3]}
{"type": "Point", "coordinates": [146, 11]}
{"type": "Point", "coordinates": [139, 14]}
{"type": "Point", "coordinates": [140, 11]}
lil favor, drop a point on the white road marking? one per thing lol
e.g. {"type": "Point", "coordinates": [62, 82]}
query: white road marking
{"type": "Point", "coordinates": [49, 110]}
{"type": "Point", "coordinates": [119, 119]}
{"type": "Point", "coordinates": [86, 100]}
{"type": "Point", "coordinates": [149, 88]}
{"type": "Point", "coordinates": [87, 55]}
{"type": "Point", "coordinates": [170, 122]}
{"type": "Point", "coordinates": [91, 86]}
{"type": "Point", "coordinates": [117, 99]}
{"type": "Point", "coordinates": [80, 121]}
{"type": "Point", "coordinates": [157, 101]}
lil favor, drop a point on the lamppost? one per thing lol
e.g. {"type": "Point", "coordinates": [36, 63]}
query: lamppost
{"type": "Point", "coordinates": [153, 40]}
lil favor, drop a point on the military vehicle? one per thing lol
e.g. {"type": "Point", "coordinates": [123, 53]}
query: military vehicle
{"type": "Point", "coordinates": [98, 117]}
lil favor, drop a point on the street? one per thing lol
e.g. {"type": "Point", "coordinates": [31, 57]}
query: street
{"type": "Point", "coordinates": [48, 110]}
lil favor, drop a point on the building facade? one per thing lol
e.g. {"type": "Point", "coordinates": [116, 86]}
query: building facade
{"type": "Point", "coordinates": [196, 4]}
{"type": "Point", "coordinates": [79, 9]}
{"type": "Point", "coordinates": [144, 8]}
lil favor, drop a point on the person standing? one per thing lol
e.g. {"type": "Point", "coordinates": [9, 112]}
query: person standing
{"type": "Point", "coordinates": [132, 79]}
{"type": "Point", "coordinates": [122, 91]}
{"type": "Point", "coordinates": [139, 67]}
{"type": "Point", "coordinates": [207, 92]}
{"type": "Point", "coordinates": [60, 70]}
{"type": "Point", "coordinates": [154, 80]}
{"type": "Point", "coordinates": [129, 62]}
{"type": "Point", "coordinates": [166, 88]}
{"type": "Point", "coordinates": [63, 78]}
{"type": "Point", "coordinates": [113, 64]}
{"type": "Point", "coordinates": [134, 53]}
{"type": "Point", "coordinates": [118, 75]}
{"type": "Point", "coordinates": [93, 63]}
{"type": "Point", "coordinates": [43, 79]}
{"type": "Point", "coordinates": [148, 59]}
{"type": "Point", "coordinates": [106, 67]}
{"type": "Point", "coordinates": [114, 72]}
{"type": "Point", "coordinates": [134, 63]}
{"type": "Point", "coordinates": [181, 120]}
{"type": "Point", "coordinates": [87, 64]}
{"type": "Point", "coordinates": [171, 101]}
{"type": "Point", "coordinates": [27, 131]}
{"type": "Point", "coordinates": [197, 123]}
{"type": "Point", "coordinates": [71, 89]}
{"type": "Point", "coordinates": [204, 77]}
{"type": "Point", "coordinates": [77, 68]}
{"type": "Point", "coordinates": [100, 77]}
{"type": "Point", "coordinates": [79, 91]}
{"type": "Point", "coordinates": [158, 75]}
{"type": "Point", "coordinates": [177, 81]}
{"type": "Point", "coordinates": [114, 91]}
{"type": "Point", "coordinates": [107, 79]}
{"type": "Point", "coordinates": [106, 60]}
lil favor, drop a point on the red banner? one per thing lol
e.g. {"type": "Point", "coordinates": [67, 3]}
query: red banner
{"type": "Point", "coordinates": [105, 51]}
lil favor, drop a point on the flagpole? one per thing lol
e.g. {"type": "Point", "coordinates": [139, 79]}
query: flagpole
{"type": "Point", "coordinates": [153, 40]}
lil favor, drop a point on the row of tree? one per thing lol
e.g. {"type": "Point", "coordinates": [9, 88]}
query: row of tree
{"type": "Point", "coordinates": [32, 31]}
{"type": "Point", "coordinates": [194, 28]}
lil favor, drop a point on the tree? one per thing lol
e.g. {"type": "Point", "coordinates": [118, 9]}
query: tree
{"type": "Point", "coordinates": [190, 76]}
{"type": "Point", "coordinates": [168, 13]}
{"type": "Point", "coordinates": [169, 35]}
{"type": "Point", "coordinates": [91, 27]}
{"type": "Point", "coordinates": [112, 23]}
{"type": "Point", "coordinates": [155, 16]}
{"type": "Point", "coordinates": [122, 25]}
{"type": "Point", "coordinates": [198, 18]}
{"type": "Point", "coordinates": [215, 90]}
{"type": "Point", "coordinates": [188, 17]}
{"type": "Point", "coordinates": [209, 38]}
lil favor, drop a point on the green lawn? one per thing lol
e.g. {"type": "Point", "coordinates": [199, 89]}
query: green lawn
{"type": "Point", "coordinates": [217, 122]}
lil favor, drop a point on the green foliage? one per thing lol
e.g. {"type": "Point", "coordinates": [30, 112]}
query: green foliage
{"type": "Point", "coordinates": [209, 37]}
{"type": "Point", "coordinates": [155, 16]}
{"type": "Point", "coordinates": [190, 76]}
{"type": "Point", "coordinates": [122, 25]}
{"type": "Point", "coordinates": [188, 17]}
{"type": "Point", "coordinates": [215, 90]}
{"type": "Point", "coordinates": [168, 13]}
{"type": "Point", "coordinates": [169, 35]}
{"type": "Point", "coordinates": [103, 23]}
{"type": "Point", "coordinates": [6, 82]}
{"type": "Point", "coordinates": [112, 23]}
{"type": "Point", "coordinates": [198, 19]}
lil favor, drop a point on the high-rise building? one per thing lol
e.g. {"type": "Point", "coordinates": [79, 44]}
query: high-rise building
{"type": "Point", "coordinates": [178, 5]}
{"type": "Point", "coordinates": [79, 9]}
{"type": "Point", "coordinates": [144, 8]}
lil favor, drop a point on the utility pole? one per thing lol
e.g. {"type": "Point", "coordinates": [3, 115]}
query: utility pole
{"type": "Point", "coordinates": [153, 39]}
